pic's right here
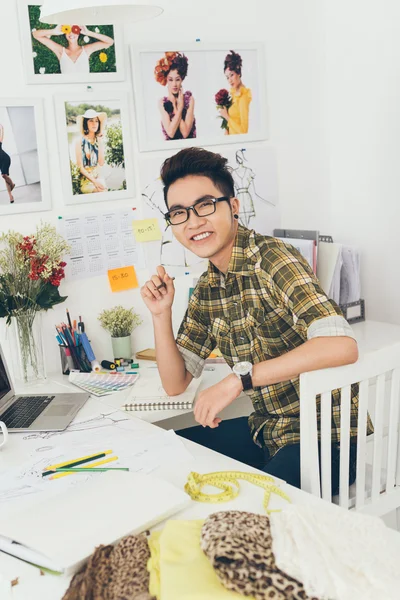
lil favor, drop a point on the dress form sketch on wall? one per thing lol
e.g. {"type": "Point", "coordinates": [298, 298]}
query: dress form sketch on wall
{"type": "Point", "coordinates": [245, 189]}
{"type": "Point", "coordinates": [172, 253]}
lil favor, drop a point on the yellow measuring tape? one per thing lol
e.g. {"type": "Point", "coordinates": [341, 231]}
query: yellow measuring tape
{"type": "Point", "coordinates": [228, 482]}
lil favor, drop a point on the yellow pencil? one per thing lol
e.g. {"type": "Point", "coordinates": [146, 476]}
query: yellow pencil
{"type": "Point", "coordinates": [95, 464]}
{"type": "Point", "coordinates": [75, 460]}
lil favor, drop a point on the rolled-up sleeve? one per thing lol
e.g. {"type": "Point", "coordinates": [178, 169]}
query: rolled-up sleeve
{"type": "Point", "coordinates": [296, 286]}
{"type": "Point", "coordinates": [194, 339]}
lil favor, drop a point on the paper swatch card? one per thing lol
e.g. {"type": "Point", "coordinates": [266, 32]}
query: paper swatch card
{"type": "Point", "coordinates": [98, 384]}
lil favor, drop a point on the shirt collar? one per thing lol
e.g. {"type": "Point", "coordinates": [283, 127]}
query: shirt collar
{"type": "Point", "coordinates": [242, 258]}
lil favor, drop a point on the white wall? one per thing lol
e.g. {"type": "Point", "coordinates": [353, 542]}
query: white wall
{"type": "Point", "coordinates": [363, 92]}
{"type": "Point", "coordinates": [291, 31]}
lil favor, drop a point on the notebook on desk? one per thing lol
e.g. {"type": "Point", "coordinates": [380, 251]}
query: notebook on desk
{"type": "Point", "coordinates": [60, 533]}
{"type": "Point", "coordinates": [149, 394]}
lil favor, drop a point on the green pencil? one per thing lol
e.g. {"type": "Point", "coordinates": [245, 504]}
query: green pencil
{"type": "Point", "coordinates": [89, 470]}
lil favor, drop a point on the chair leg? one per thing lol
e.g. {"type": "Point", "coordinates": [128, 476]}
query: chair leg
{"type": "Point", "coordinates": [398, 518]}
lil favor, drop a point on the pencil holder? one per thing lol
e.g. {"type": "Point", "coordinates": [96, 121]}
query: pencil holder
{"type": "Point", "coordinates": [68, 362]}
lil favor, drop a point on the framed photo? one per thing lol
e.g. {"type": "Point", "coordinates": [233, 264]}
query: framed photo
{"type": "Point", "coordinates": [24, 176]}
{"type": "Point", "coordinates": [198, 95]}
{"type": "Point", "coordinates": [94, 146]}
{"type": "Point", "coordinates": [68, 53]}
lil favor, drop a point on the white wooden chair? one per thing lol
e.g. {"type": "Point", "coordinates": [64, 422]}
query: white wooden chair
{"type": "Point", "coordinates": [377, 487]}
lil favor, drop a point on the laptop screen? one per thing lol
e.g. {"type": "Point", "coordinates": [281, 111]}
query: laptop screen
{"type": "Point", "coordinates": [5, 385]}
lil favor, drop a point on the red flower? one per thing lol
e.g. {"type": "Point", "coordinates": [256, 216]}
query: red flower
{"type": "Point", "coordinates": [76, 29]}
{"type": "Point", "coordinates": [222, 98]}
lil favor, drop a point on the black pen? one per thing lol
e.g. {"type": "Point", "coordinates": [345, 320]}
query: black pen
{"type": "Point", "coordinates": [163, 284]}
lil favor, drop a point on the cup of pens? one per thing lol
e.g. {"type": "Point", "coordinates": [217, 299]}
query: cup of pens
{"type": "Point", "coordinates": [76, 352]}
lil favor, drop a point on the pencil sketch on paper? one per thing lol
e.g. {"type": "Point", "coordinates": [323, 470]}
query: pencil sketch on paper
{"type": "Point", "coordinates": [245, 189]}
{"type": "Point", "coordinates": [98, 422]}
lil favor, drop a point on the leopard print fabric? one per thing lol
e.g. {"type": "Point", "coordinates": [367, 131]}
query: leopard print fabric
{"type": "Point", "coordinates": [114, 573]}
{"type": "Point", "coordinates": [239, 547]}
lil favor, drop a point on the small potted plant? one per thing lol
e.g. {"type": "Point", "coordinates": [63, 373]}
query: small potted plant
{"type": "Point", "coordinates": [120, 322]}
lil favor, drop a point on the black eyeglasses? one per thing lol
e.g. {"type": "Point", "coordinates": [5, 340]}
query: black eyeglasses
{"type": "Point", "coordinates": [202, 208]}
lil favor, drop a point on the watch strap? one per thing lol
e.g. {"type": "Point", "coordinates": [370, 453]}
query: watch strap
{"type": "Point", "coordinates": [247, 382]}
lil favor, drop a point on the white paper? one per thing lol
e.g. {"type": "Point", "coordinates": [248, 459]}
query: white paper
{"type": "Point", "coordinates": [328, 269]}
{"type": "Point", "coordinates": [100, 242]}
{"type": "Point", "coordinates": [350, 288]}
{"type": "Point", "coordinates": [116, 431]}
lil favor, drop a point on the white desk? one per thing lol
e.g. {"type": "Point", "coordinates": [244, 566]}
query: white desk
{"type": "Point", "coordinates": [32, 587]}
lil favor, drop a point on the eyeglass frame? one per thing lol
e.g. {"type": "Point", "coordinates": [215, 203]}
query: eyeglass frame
{"type": "Point", "coordinates": [193, 208]}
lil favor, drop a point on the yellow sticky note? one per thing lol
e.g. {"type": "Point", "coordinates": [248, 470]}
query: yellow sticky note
{"type": "Point", "coordinates": [147, 230]}
{"type": "Point", "coordinates": [123, 279]}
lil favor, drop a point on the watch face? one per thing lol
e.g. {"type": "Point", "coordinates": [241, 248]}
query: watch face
{"type": "Point", "coordinates": [242, 368]}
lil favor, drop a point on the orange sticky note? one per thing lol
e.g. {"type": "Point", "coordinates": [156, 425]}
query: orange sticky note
{"type": "Point", "coordinates": [123, 279]}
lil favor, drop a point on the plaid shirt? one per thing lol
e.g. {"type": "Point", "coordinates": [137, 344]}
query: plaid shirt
{"type": "Point", "coordinates": [269, 302]}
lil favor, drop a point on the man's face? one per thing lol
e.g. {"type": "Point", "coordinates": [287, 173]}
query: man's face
{"type": "Point", "coordinates": [204, 236]}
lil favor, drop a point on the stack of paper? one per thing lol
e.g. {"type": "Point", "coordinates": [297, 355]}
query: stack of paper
{"type": "Point", "coordinates": [60, 533]}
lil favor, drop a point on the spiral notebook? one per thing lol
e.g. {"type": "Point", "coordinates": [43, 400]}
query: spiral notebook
{"type": "Point", "coordinates": [150, 395]}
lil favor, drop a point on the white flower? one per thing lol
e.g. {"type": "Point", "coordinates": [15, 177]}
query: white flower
{"type": "Point", "coordinates": [97, 30]}
{"type": "Point", "coordinates": [34, 54]}
{"type": "Point", "coordinates": [86, 39]}
{"type": "Point", "coordinates": [34, 29]}
{"type": "Point", "coordinates": [42, 70]}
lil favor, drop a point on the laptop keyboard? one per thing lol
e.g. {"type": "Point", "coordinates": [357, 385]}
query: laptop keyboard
{"type": "Point", "coordinates": [25, 410]}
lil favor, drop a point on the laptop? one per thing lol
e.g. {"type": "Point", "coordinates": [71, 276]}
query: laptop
{"type": "Point", "coordinates": [35, 412]}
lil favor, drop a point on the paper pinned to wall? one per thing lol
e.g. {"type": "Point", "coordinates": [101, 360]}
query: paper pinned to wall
{"type": "Point", "coordinates": [147, 230]}
{"type": "Point", "coordinates": [123, 279]}
{"type": "Point", "coordinates": [100, 241]}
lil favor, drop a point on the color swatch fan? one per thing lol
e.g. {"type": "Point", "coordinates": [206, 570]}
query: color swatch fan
{"type": "Point", "coordinates": [102, 385]}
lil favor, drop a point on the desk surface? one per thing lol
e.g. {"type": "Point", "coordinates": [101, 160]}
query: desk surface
{"type": "Point", "coordinates": [371, 335]}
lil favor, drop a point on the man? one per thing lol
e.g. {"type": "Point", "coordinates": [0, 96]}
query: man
{"type": "Point", "coordinates": [261, 305]}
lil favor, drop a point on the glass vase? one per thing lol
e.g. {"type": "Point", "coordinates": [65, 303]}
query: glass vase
{"type": "Point", "coordinates": [27, 348]}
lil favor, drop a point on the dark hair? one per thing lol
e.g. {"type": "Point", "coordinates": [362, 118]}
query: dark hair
{"type": "Point", "coordinates": [180, 64]}
{"type": "Point", "coordinates": [197, 161]}
{"type": "Point", "coordinates": [86, 128]}
{"type": "Point", "coordinates": [233, 62]}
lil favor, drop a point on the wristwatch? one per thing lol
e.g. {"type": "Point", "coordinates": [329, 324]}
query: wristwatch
{"type": "Point", "coordinates": [243, 370]}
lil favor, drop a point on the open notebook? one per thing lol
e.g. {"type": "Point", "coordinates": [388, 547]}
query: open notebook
{"type": "Point", "coordinates": [61, 532]}
{"type": "Point", "coordinates": [150, 395]}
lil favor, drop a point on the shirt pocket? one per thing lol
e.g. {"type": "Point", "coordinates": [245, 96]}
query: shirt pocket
{"type": "Point", "coordinates": [265, 334]}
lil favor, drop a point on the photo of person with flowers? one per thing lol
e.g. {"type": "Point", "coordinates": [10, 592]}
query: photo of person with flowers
{"type": "Point", "coordinates": [71, 49]}
{"type": "Point", "coordinates": [234, 106]}
{"type": "Point", "coordinates": [177, 107]}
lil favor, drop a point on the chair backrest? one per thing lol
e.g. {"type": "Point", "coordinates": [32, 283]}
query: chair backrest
{"type": "Point", "coordinates": [378, 375]}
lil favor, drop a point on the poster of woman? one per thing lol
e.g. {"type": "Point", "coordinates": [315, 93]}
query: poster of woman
{"type": "Point", "coordinates": [24, 182]}
{"type": "Point", "coordinates": [212, 95]}
{"type": "Point", "coordinates": [68, 53]}
{"type": "Point", "coordinates": [94, 141]}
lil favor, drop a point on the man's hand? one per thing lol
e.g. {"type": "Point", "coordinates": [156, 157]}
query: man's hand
{"type": "Point", "coordinates": [211, 401]}
{"type": "Point", "coordinates": [158, 297]}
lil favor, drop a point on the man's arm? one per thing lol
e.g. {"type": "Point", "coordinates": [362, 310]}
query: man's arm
{"type": "Point", "coordinates": [317, 353]}
{"type": "Point", "coordinates": [171, 366]}
{"type": "Point", "coordinates": [174, 376]}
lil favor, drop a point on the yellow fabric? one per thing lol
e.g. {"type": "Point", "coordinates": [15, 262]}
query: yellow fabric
{"type": "Point", "coordinates": [238, 121]}
{"type": "Point", "coordinates": [179, 570]}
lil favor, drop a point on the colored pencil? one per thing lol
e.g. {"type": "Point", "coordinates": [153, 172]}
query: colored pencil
{"type": "Point", "coordinates": [74, 463]}
{"type": "Point", "coordinates": [95, 464]}
{"type": "Point", "coordinates": [90, 470]}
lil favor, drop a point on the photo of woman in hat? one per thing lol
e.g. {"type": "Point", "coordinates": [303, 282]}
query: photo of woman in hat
{"type": "Point", "coordinates": [89, 150]}
{"type": "Point", "coordinates": [177, 107]}
{"type": "Point", "coordinates": [74, 57]}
